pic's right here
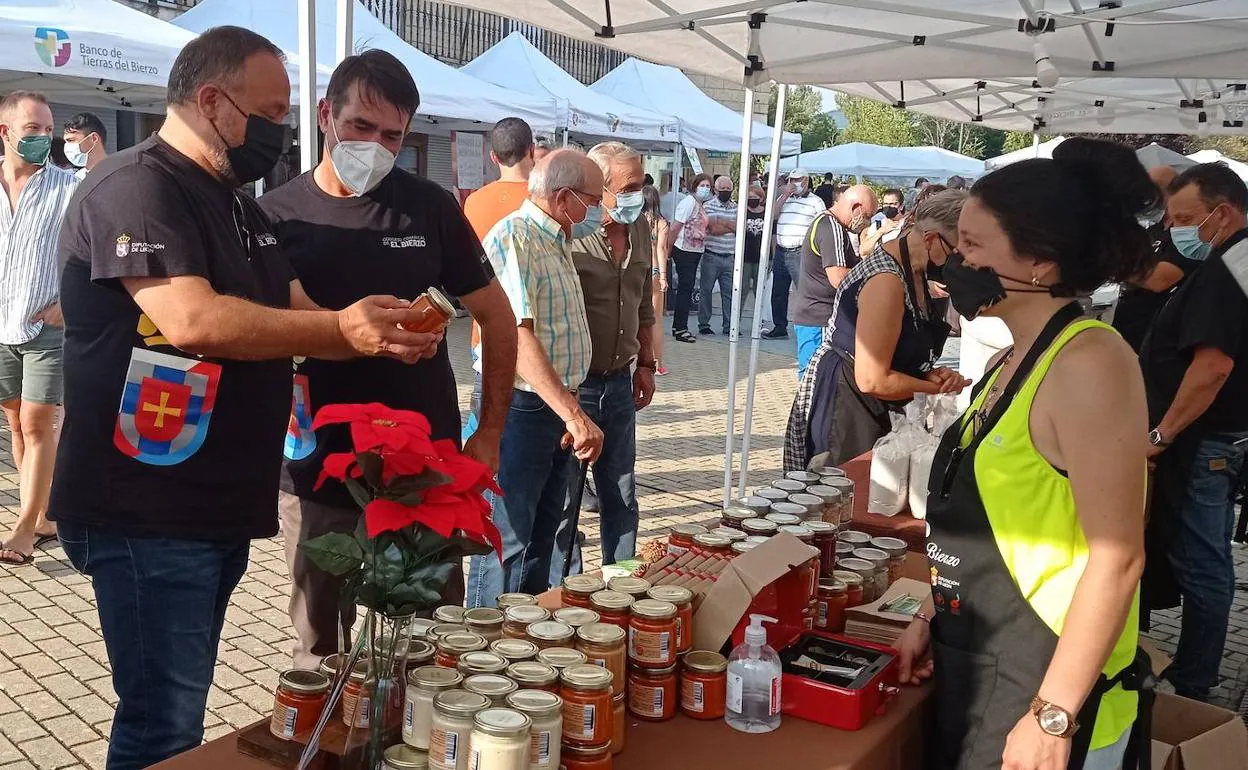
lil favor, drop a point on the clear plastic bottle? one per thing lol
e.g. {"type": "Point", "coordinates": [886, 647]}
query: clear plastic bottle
{"type": "Point", "coordinates": [754, 682]}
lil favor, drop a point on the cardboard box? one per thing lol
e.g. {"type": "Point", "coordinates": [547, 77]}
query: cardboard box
{"type": "Point", "coordinates": [1190, 735]}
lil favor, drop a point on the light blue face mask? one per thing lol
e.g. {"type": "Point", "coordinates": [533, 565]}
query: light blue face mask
{"type": "Point", "coordinates": [592, 221]}
{"type": "Point", "coordinates": [1188, 241]}
{"type": "Point", "coordinates": [628, 206]}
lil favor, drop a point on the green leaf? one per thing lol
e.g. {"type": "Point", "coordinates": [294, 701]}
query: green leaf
{"type": "Point", "coordinates": [336, 553]}
{"type": "Point", "coordinates": [370, 465]}
{"type": "Point", "coordinates": [362, 539]}
{"type": "Point", "coordinates": [411, 499]}
{"type": "Point", "coordinates": [403, 485]}
{"type": "Point", "coordinates": [387, 566]}
{"type": "Point", "coordinates": [358, 492]}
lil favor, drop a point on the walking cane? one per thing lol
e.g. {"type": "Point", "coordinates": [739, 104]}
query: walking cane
{"type": "Point", "coordinates": [577, 495]}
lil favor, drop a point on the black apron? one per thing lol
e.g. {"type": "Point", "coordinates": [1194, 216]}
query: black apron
{"type": "Point", "coordinates": [990, 648]}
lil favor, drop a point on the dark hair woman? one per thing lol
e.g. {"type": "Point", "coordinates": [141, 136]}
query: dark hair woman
{"type": "Point", "coordinates": [1036, 498]}
{"type": "Point", "coordinates": [660, 248]}
{"type": "Point", "coordinates": [687, 240]}
{"type": "Point", "coordinates": [879, 345]}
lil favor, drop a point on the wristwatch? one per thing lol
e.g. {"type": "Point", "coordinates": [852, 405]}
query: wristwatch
{"type": "Point", "coordinates": [1054, 720]}
{"type": "Point", "coordinates": [1156, 439]}
{"type": "Point", "coordinates": [651, 365]}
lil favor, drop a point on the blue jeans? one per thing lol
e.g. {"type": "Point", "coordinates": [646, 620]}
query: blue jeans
{"type": "Point", "coordinates": [1199, 481]}
{"type": "Point", "coordinates": [609, 403]}
{"type": "Point", "coordinates": [785, 270]}
{"type": "Point", "coordinates": [162, 603]}
{"type": "Point", "coordinates": [808, 339]}
{"type": "Point", "coordinates": [715, 267]}
{"type": "Point", "coordinates": [534, 473]}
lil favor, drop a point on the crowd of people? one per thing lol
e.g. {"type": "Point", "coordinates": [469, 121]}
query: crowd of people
{"type": "Point", "coordinates": [177, 320]}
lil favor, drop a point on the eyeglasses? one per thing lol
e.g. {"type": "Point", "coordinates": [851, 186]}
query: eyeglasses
{"type": "Point", "coordinates": [597, 199]}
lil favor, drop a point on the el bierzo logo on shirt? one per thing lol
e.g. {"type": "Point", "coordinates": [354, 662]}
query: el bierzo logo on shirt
{"type": "Point", "coordinates": [53, 46]}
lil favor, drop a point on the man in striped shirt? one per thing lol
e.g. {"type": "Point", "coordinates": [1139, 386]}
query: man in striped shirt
{"type": "Point", "coordinates": [37, 194]}
{"type": "Point", "coordinates": [717, 260]}
{"type": "Point", "coordinates": [798, 207]}
{"type": "Point", "coordinates": [529, 251]}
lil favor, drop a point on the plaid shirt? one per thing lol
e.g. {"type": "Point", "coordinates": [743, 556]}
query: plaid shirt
{"type": "Point", "coordinates": [531, 257]}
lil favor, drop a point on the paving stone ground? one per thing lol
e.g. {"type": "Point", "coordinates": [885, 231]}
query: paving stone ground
{"type": "Point", "coordinates": [56, 698]}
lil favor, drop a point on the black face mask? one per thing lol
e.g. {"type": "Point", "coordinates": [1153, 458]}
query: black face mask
{"type": "Point", "coordinates": [263, 142]}
{"type": "Point", "coordinates": [972, 290]}
{"type": "Point", "coordinates": [934, 272]}
{"type": "Point", "coordinates": [890, 212]}
{"type": "Point", "coordinates": [755, 203]}
{"type": "Point", "coordinates": [725, 196]}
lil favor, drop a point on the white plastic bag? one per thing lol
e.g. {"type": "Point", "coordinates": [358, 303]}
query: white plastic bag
{"type": "Point", "coordinates": [920, 470]}
{"type": "Point", "coordinates": [890, 462]}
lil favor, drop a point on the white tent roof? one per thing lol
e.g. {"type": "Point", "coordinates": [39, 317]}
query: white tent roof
{"type": "Point", "coordinates": [704, 123]}
{"type": "Point", "coordinates": [445, 92]}
{"type": "Point", "coordinates": [873, 161]}
{"type": "Point", "coordinates": [1153, 155]}
{"type": "Point", "coordinates": [96, 53]}
{"type": "Point", "coordinates": [515, 64]}
{"type": "Point", "coordinates": [1044, 150]}
{"type": "Point", "coordinates": [1213, 156]}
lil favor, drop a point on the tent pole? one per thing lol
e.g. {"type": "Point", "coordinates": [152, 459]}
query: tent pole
{"type": "Point", "coordinates": [1035, 144]}
{"type": "Point", "coordinates": [764, 265]}
{"type": "Point", "coordinates": [345, 29]}
{"type": "Point", "coordinates": [738, 272]}
{"type": "Point", "coordinates": [309, 149]}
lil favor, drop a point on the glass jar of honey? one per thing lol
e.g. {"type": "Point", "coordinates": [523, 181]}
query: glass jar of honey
{"type": "Point", "coordinates": [578, 588]}
{"type": "Point", "coordinates": [703, 684]}
{"type": "Point", "coordinates": [845, 486]}
{"type": "Point", "coordinates": [551, 633]}
{"type": "Point", "coordinates": [833, 598]}
{"type": "Point", "coordinates": [298, 702]}
{"type": "Point", "coordinates": [652, 634]}
{"type": "Point", "coordinates": [652, 693]}
{"type": "Point", "coordinates": [603, 645]}
{"type": "Point", "coordinates": [451, 646]}
{"type": "Point", "coordinates": [633, 586]}
{"type": "Point", "coordinates": [683, 599]}
{"type": "Point", "coordinates": [612, 607]}
{"type": "Point", "coordinates": [514, 650]}
{"type": "Point", "coordinates": [587, 758]}
{"type": "Point", "coordinates": [896, 549]}
{"type": "Point", "coordinates": [587, 716]}
{"type": "Point", "coordinates": [433, 311]}
{"type": "Point", "coordinates": [518, 619]}
{"type": "Point", "coordinates": [680, 538]}
{"type": "Point", "coordinates": [576, 616]}
{"type": "Point", "coordinates": [504, 601]}
{"type": "Point", "coordinates": [532, 675]}
{"type": "Point", "coordinates": [486, 621]}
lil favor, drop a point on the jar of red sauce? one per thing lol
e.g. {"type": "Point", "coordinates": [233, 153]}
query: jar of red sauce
{"type": "Point", "coordinates": [683, 599]}
{"type": "Point", "coordinates": [680, 539]}
{"type": "Point", "coordinates": [578, 588]}
{"type": "Point", "coordinates": [298, 702]}
{"type": "Point", "coordinates": [516, 620]}
{"type": "Point", "coordinates": [652, 693]}
{"type": "Point", "coordinates": [633, 586]}
{"type": "Point", "coordinates": [652, 634]}
{"type": "Point", "coordinates": [734, 514]}
{"type": "Point", "coordinates": [357, 696]}
{"type": "Point", "coordinates": [612, 607]}
{"type": "Point", "coordinates": [432, 310]}
{"type": "Point", "coordinates": [619, 708]}
{"type": "Point", "coordinates": [712, 545]}
{"type": "Point", "coordinates": [853, 586]}
{"type": "Point", "coordinates": [451, 646]}
{"type": "Point", "coordinates": [587, 716]}
{"type": "Point", "coordinates": [760, 527]}
{"type": "Point", "coordinates": [832, 600]}
{"type": "Point", "coordinates": [703, 685]}
{"type": "Point", "coordinates": [587, 758]}
{"type": "Point", "coordinates": [823, 537]}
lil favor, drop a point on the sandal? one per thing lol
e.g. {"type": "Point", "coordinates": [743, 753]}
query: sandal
{"type": "Point", "coordinates": [43, 539]}
{"type": "Point", "coordinates": [17, 559]}
{"type": "Point", "coordinates": [683, 335]}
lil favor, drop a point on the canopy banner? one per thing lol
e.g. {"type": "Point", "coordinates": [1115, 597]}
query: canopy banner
{"type": "Point", "coordinates": [79, 52]}
{"type": "Point", "coordinates": [693, 159]}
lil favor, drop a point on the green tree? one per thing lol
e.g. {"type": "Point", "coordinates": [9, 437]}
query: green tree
{"type": "Point", "coordinates": [966, 138]}
{"type": "Point", "coordinates": [1016, 140]}
{"type": "Point", "coordinates": [803, 114]}
{"type": "Point", "coordinates": [876, 123]}
{"type": "Point", "coordinates": [1234, 147]}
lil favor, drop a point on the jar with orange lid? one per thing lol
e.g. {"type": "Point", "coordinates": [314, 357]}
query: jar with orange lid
{"type": "Point", "coordinates": [703, 684]}
{"type": "Point", "coordinates": [561, 657]}
{"type": "Point", "coordinates": [587, 716]}
{"type": "Point", "coordinates": [712, 545]}
{"type": "Point", "coordinates": [532, 675]}
{"type": "Point", "coordinates": [587, 758]}
{"type": "Point", "coordinates": [481, 662]}
{"type": "Point", "coordinates": [733, 515]}
{"type": "Point", "coordinates": [449, 613]}
{"type": "Point", "coordinates": [298, 702]}
{"type": "Point", "coordinates": [576, 616]}
{"type": "Point", "coordinates": [604, 645]}
{"type": "Point", "coordinates": [833, 598]}
{"type": "Point", "coordinates": [652, 634]}
{"type": "Point", "coordinates": [612, 607]}
{"type": "Point", "coordinates": [451, 646]}
{"type": "Point", "coordinates": [486, 621]}
{"type": "Point", "coordinates": [680, 538]}
{"type": "Point", "coordinates": [652, 693]}
{"type": "Point", "coordinates": [578, 588]}
{"type": "Point", "coordinates": [633, 586]}
{"type": "Point", "coordinates": [760, 527]}
{"type": "Point", "coordinates": [504, 601]}
{"type": "Point", "coordinates": [853, 586]}
{"type": "Point", "coordinates": [357, 696]}
{"type": "Point", "coordinates": [619, 708]}
{"type": "Point", "coordinates": [514, 650]}
{"type": "Point", "coordinates": [551, 633]}
{"type": "Point", "coordinates": [683, 599]}
{"type": "Point", "coordinates": [518, 619]}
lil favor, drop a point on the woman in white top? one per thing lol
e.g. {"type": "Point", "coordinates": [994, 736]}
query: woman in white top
{"type": "Point", "coordinates": [687, 240]}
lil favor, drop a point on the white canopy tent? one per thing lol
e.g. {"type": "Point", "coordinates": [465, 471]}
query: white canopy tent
{"type": "Point", "coordinates": [96, 53]}
{"type": "Point", "coordinates": [445, 92]}
{"type": "Point", "coordinates": [705, 124]}
{"type": "Point", "coordinates": [1153, 155]}
{"type": "Point", "coordinates": [873, 161]}
{"type": "Point", "coordinates": [516, 65]}
{"type": "Point", "coordinates": [1213, 156]}
{"type": "Point", "coordinates": [1042, 150]}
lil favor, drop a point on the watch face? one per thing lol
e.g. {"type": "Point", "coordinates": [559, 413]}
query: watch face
{"type": "Point", "coordinates": [1053, 720]}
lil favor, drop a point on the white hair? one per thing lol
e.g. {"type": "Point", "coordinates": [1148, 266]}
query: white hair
{"type": "Point", "coordinates": [560, 169]}
{"type": "Point", "coordinates": [607, 153]}
{"type": "Point", "coordinates": [940, 212]}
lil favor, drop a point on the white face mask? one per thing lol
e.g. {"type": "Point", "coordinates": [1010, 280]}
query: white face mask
{"type": "Point", "coordinates": [76, 155]}
{"type": "Point", "coordinates": [360, 166]}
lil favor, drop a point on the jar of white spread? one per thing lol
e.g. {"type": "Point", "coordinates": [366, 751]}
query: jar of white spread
{"type": "Point", "coordinates": [500, 740]}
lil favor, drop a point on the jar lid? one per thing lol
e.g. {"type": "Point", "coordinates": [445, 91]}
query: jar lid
{"type": "Point", "coordinates": [633, 586]}
{"type": "Point", "coordinates": [483, 617]}
{"type": "Point", "coordinates": [460, 702]}
{"type": "Point", "coordinates": [514, 600]}
{"type": "Point", "coordinates": [304, 681]}
{"type": "Point", "coordinates": [602, 633]}
{"type": "Point", "coordinates": [550, 631]}
{"type": "Point", "coordinates": [586, 676]}
{"type": "Point", "coordinates": [771, 493]}
{"type": "Point", "coordinates": [491, 686]}
{"type": "Point", "coordinates": [819, 527]}
{"type": "Point", "coordinates": [583, 584]}
{"type": "Point", "coordinates": [757, 539]}
{"type": "Point", "coordinates": [856, 565]}
{"type": "Point", "coordinates": [434, 678]}
{"type": "Point", "coordinates": [711, 541]}
{"type": "Point", "coordinates": [654, 609]}
{"type": "Point", "coordinates": [514, 649]}
{"type": "Point", "coordinates": [535, 703]}
{"type": "Point", "coordinates": [652, 671]}
{"type": "Point", "coordinates": [561, 657]}
{"type": "Point", "coordinates": [850, 579]}
{"type": "Point", "coordinates": [527, 613]}
{"type": "Point", "coordinates": [586, 752]}
{"type": "Point", "coordinates": [737, 512]}
{"type": "Point", "coordinates": [840, 482]}
{"type": "Point", "coordinates": [754, 502]}
{"type": "Point", "coordinates": [873, 555]}
{"type": "Point", "coordinates": [853, 536]}
{"type": "Point", "coordinates": [733, 535]}
{"type": "Point", "coordinates": [806, 477]}
{"type": "Point", "coordinates": [332, 664]}
{"type": "Point", "coordinates": [481, 662]}
{"type": "Point", "coordinates": [893, 546]}
{"type": "Point", "coordinates": [502, 722]}
{"type": "Point", "coordinates": [834, 585]}
{"type": "Point", "coordinates": [440, 630]}
{"type": "Point", "coordinates": [798, 531]}
{"type": "Point", "coordinates": [785, 508]}
{"type": "Point", "coordinates": [705, 662]}
{"type": "Point", "coordinates": [788, 485]}
{"type": "Point", "coordinates": [419, 651]}
{"type": "Point", "coordinates": [400, 756]}
{"type": "Point", "coordinates": [688, 530]}
{"type": "Point", "coordinates": [449, 613]}
{"type": "Point", "coordinates": [805, 498]}
{"type": "Point", "coordinates": [828, 470]}
{"type": "Point", "coordinates": [531, 673]}
{"type": "Point", "coordinates": [441, 301]}
{"type": "Point", "coordinates": [420, 627]}
{"type": "Point", "coordinates": [576, 616]}
{"type": "Point", "coordinates": [461, 642]}
{"type": "Point", "coordinates": [760, 525]}
{"type": "Point", "coordinates": [612, 599]}
{"type": "Point", "coordinates": [743, 546]}
{"type": "Point", "coordinates": [828, 494]}
{"type": "Point", "coordinates": [843, 547]}
{"type": "Point", "coordinates": [677, 595]}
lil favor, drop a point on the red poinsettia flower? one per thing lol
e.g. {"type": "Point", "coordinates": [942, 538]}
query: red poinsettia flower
{"type": "Point", "coordinates": [337, 466]}
{"type": "Point", "coordinates": [376, 426]}
{"type": "Point", "coordinates": [442, 512]}
{"type": "Point", "coordinates": [467, 474]}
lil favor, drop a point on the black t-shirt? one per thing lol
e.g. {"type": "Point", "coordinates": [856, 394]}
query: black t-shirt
{"type": "Point", "coordinates": [158, 442]}
{"type": "Point", "coordinates": [401, 238]}
{"type": "Point", "coordinates": [753, 236]}
{"type": "Point", "coordinates": [1137, 306]}
{"type": "Point", "coordinates": [1210, 309]}
{"type": "Point", "coordinates": [826, 244]}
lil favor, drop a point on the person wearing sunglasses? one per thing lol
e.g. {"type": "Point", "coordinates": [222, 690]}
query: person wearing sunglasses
{"type": "Point", "coordinates": [1036, 497]}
